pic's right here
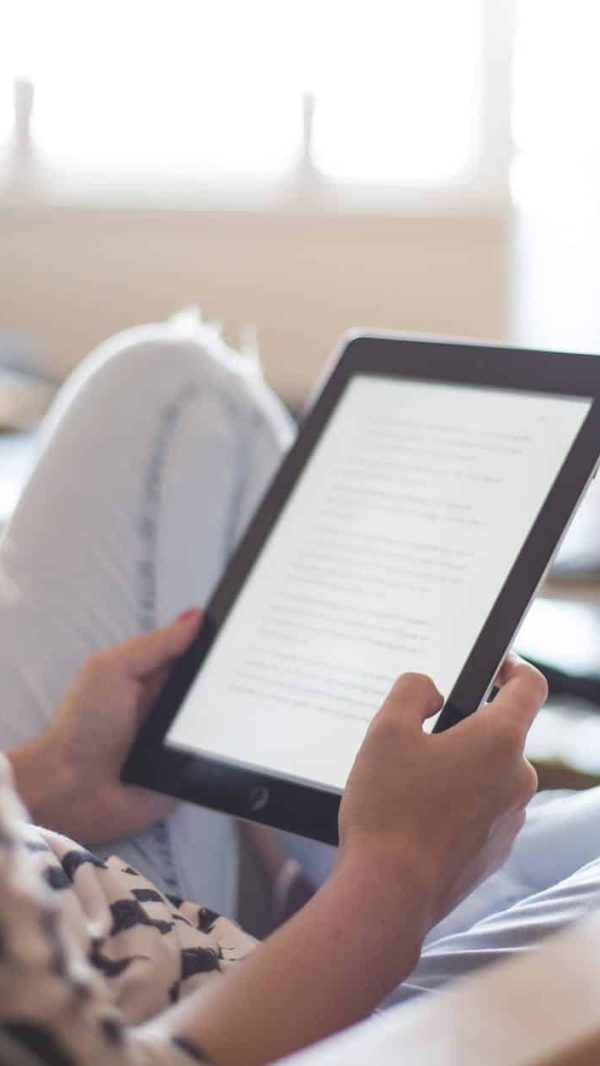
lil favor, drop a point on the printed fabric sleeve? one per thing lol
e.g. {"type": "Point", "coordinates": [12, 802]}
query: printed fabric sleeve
{"type": "Point", "coordinates": [55, 1008]}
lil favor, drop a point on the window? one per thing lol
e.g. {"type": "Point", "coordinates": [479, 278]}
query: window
{"type": "Point", "coordinates": [195, 98]}
{"type": "Point", "coordinates": [555, 122]}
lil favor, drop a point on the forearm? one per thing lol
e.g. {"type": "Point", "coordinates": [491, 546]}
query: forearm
{"type": "Point", "coordinates": [324, 970]}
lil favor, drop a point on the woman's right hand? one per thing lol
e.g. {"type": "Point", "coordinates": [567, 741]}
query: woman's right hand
{"type": "Point", "coordinates": [423, 820]}
{"type": "Point", "coordinates": [445, 807]}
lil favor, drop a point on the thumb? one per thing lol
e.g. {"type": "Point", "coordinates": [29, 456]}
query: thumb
{"type": "Point", "coordinates": [414, 698]}
{"type": "Point", "coordinates": [149, 652]}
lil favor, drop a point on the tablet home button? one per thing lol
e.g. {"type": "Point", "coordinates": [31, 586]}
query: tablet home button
{"type": "Point", "coordinates": [258, 797]}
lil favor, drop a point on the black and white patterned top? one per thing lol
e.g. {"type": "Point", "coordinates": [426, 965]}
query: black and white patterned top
{"type": "Point", "coordinates": [89, 949]}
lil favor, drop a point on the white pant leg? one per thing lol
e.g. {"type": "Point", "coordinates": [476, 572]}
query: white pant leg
{"type": "Point", "coordinates": [561, 834]}
{"type": "Point", "coordinates": [551, 878]}
{"type": "Point", "coordinates": [154, 454]}
{"type": "Point", "coordinates": [519, 928]}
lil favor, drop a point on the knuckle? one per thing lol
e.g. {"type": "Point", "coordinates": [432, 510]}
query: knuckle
{"type": "Point", "coordinates": [386, 726]}
{"type": "Point", "coordinates": [541, 684]}
{"type": "Point", "coordinates": [529, 781]}
{"type": "Point", "coordinates": [533, 682]}
{"type": "Point", "coordinates": [415, 686]}
{"type": "Point", "coordinates": [412, 680]}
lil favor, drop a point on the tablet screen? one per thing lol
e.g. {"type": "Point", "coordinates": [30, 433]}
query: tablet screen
{"type": "Point", "coordinates": [388, 556]}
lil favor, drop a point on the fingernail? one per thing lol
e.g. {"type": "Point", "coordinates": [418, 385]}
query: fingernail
{"type": "Point", "coordinates": [186, 616]}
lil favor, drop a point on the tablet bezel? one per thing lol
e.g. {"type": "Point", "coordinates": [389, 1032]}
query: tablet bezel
{"type": "Point", "coordinates": [312, 811]}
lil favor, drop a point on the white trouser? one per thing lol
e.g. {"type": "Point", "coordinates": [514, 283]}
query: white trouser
{"type": "Point", "coordinates": [152, 460]}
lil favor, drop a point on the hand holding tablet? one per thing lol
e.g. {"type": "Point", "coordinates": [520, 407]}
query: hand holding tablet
{"type": "Point", "coordinates": [386, 816]}
{"type": "Point", "coordinates": [407, 530]}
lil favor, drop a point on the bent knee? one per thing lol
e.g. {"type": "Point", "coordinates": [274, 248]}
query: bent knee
{"type": "Point", "coordinates": [148, 368]}
{"type": "Point", "coordinates": [156, 356]}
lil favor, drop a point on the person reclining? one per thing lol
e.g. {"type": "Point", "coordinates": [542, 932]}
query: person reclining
{"type": "Point", "coordinates": [153, 460]}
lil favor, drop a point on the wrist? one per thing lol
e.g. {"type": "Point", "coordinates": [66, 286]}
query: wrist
{"type": "Point", "coordinates": [396, 887]}
{"type": "Point", "coordinates": [328, 967]}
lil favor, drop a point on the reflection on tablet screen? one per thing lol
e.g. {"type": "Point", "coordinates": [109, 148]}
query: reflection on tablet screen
{"type": "Point", "coordinates": [387, 557]}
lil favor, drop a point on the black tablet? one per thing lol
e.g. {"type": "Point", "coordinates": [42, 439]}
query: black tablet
{"type": "Point", "coordinates": [407, 529]}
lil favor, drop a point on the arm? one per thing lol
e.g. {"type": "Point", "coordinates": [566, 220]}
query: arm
{"type": "Point", "coordinates": [407, 857]}
{"type": "Point", "coordinates": [328, 967]}
{"type": "Point", "coordinates": [423, 820]}
{"type": "Point", "coordinates": [54, 1008]}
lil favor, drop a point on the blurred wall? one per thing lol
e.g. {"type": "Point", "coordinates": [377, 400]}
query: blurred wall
{"type": "Point", "coordinates": [71, 277]}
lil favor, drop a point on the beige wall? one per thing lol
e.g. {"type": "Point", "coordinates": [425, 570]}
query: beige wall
{"type": "Point", "coordinates": [69, 278]}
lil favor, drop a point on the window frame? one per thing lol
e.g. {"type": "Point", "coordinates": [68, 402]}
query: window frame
{"type": "Point", "coordinates": [484, 189]}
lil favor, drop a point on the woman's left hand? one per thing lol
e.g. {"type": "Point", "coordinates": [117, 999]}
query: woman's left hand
{"type": "Point", "coordinates": [70, 776]}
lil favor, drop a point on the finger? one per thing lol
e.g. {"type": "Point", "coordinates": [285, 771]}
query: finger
{"type": "Point", "coordinates": [523, 690]}
{"type": "Point", "coordinates": [528, 782]}
{"type": "Point", "coordinates": [151, 651]}
{"type": "Point", "coordinates": [152, 686]}
{"type": "Point", "coordinates": [413, 698]}
{"type": "Point", "coordinates": [509, 663]}
{"type": "Point", "coordinates": [500, 677]}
